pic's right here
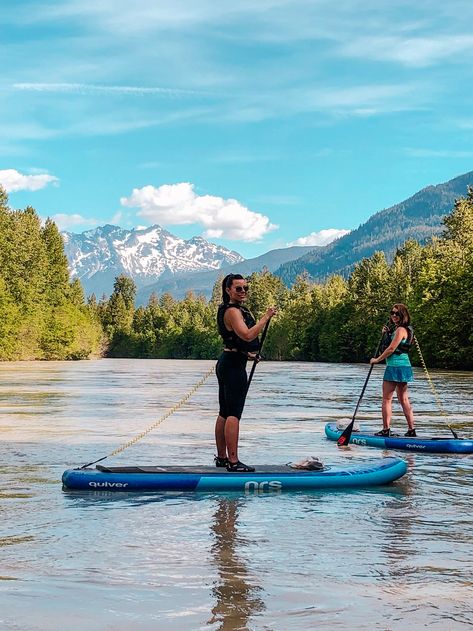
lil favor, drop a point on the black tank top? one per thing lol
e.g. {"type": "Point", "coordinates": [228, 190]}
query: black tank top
{"type": "Point", "coordinates": [230, 338]}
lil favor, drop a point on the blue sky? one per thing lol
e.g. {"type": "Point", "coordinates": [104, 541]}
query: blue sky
{"type": "Point", "coordinates": [253, 124]}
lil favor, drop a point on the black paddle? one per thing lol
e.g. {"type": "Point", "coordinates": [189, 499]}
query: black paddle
{"type": "Point", "coordinates": [346, 434]}
{"type": "Point", "coordinates": [258, 354]}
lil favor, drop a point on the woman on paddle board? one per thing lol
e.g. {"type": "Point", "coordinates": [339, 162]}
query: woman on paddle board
{"type": "Point", "coordinates": [239, 331]}
{"type": "Point", "coordinates": [398, 372]}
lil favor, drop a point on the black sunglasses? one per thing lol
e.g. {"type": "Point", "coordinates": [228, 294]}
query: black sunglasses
{"type": "Point", "coordinates": [395, 313]}
{"type": "Point", "coordinates": [240, 289]}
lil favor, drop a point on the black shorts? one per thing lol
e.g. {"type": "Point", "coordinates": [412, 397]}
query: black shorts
{"type": "Point", "coordinates": [232, 383]}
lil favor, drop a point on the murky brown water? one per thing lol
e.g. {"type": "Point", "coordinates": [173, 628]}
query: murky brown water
{"type": "Point", "coordinates": [388, 558]}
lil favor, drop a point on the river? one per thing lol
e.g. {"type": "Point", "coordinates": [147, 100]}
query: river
{"type": "Point", "coordinates": [387, 558]}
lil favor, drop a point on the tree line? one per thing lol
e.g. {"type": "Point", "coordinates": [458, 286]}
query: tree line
{"type": "Point", "coordinates": [337, 321]}
{"type": "Point", "coordinates": [43, 315]}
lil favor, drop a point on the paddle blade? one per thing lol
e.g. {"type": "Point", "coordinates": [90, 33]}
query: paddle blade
{"type": "Point", "coordinates": [346, 435]}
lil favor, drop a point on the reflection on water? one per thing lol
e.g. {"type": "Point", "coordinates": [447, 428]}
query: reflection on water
{"type": "Point", "coordinates": [237, 599]}
{"type": "Point", "coordinates": [366, 559]}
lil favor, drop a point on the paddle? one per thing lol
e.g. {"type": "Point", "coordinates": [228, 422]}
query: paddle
{"type": "Point", "coordinates": [258, 355]}
{"type": "Point", "coordinates": [346, 434]}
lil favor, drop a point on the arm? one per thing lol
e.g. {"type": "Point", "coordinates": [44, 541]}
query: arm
{"type": "Point", "coordinates": [398, 337]}
{"type": "Point", "coordinates": [234, 320]}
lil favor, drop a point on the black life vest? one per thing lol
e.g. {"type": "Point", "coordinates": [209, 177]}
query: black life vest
{"type": "Point", "coordinates": [230, 338]}
{"type": "Point", "coordinates": [405, 346]}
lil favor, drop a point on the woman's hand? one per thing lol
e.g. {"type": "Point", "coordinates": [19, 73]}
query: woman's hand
{"type": "Point", "coordinates": [272, 311]}
{"type": "Point", "coordinates": [373, 360]}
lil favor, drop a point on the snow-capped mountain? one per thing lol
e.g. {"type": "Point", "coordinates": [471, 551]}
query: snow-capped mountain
{"type": "Point", "coordinates": [97, 256]}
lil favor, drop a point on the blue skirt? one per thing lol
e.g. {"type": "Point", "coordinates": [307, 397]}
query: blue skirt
{"type": "Point", "coordinates": [398, 374]}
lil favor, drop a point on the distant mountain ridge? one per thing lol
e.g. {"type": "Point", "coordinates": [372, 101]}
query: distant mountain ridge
{"type": "Point", "coordinates": [158, 261]}
{"type": "Point", "coordinates": [419, 217]}
{"type": "Point", "coordinates": [97, 256]}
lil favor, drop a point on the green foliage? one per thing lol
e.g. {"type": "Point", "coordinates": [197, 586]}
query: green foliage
{"type": "Point", "coordinates": [56, 269]}
{"type": "Point", "coordinates": [443, 295]}
{"type": "Point", "coordinates": [42, 314]}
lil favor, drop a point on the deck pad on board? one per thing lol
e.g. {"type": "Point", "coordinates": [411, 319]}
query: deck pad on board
{"type": "Point", "coordinates": [205, 469]}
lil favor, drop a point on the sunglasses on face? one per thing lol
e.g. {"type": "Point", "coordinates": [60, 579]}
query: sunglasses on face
{"type": "Point", "coordinates": [395, 313]}
{"type": "Point", "coordinates": [240, 289]}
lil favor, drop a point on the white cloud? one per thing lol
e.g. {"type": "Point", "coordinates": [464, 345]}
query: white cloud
{"type": "Point", "coordinates": [118, 218]}
{"type": "Point", "coordinates": [178, 204]}
{"type": "Point", "coordinates": [13, 181]}
{"type": "Point", "coordinates": [86, 88]}
{"type": "Point", "coordinates": [410, 51]}
{"type": "Point", "coordinates": [324, 237]}
{"type": "Point", "coordinates": [465, 124]}
{"type": "Point", "coordinates": [64, 222]}
{"type": "Point", "coordinates": [438, 153]}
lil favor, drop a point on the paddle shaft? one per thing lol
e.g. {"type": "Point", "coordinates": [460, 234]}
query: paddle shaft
{"type": "Point", "coordinates": [346, 434]}
{"type": "Point", "coordinates": [258, 355]}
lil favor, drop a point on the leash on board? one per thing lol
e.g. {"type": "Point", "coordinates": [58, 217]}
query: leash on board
{"type": "Point", "coordinates": [174, 408]}
{"type": "Point", "coordinates": [437, 398]}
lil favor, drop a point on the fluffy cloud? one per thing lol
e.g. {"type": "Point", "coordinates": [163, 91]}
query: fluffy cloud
{"type": "Point", "coordinates": [65, 222]}
{"type": "Point", "coordinates": [13, 181]}
{"type": "Point", "coordinates": [178, 204]}
{"type": "Point", "coordinates": [324, 237]}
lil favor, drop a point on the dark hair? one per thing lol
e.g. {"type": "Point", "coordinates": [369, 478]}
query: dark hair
{"type": "Point", "coordinates": [405, 318]}
{"type": "Point", "coordinates": [227, 283]}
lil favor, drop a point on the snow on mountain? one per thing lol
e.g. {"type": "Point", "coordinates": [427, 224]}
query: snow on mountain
{"type": "Point", "coordinates": [97, 256]}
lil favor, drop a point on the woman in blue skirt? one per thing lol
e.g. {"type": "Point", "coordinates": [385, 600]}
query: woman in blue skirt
{"type": "Point", "coordinates": [398, 371]}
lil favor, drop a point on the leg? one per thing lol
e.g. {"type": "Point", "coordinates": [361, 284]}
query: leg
{"type": "Point", "coordinates": [231, 373]}
{"type": "Point", "coordinates": [403, 398]}
{"type": "Point", "coordinates": [232, 430]}
{"type": "Point", "coordinates": [386, 408]}
{"type": "Point", "coordinates": [234, 392]}
{"type": "Point", "coordinates": [222, 413]}
{"type": "Point", "coordinates": [220, 437]}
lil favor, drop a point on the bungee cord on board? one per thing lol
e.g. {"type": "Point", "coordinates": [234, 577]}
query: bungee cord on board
{"type": "Point", "coordinates": [174, 408]}
{"type": "Point", "coordinates": [436, 396]}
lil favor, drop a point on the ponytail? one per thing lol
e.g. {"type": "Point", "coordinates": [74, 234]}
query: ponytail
{"type": "Point", "coordinates": [227, 283]}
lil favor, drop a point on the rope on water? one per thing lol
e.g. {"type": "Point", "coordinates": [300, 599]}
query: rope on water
{"type": "Point", "coordinates": [437, 398]}
{"type": "Point", "coordinates": [174, 408]}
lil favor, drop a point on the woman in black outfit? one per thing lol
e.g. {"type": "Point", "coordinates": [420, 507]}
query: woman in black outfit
{"type": "Point", "coordinates": [239, 332]}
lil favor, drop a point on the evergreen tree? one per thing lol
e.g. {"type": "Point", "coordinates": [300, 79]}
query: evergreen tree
{"type": "Point", "coordinates": [57, 274]}
{"type": "Point", "coordinates": [43, 316]}
{"type": "Point", "coordinates": [444, 292]}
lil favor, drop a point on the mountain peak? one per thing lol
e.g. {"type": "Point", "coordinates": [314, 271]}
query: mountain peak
{"type": "Point", "coordinates": [98, 255]}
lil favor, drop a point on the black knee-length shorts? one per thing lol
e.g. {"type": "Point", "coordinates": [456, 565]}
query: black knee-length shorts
{"type": "Point", "coordinates": [232, 383]}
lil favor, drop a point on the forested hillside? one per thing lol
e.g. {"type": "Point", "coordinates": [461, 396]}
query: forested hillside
{"type": "Point", "coordinates": [42, 314]}
{"type": "Point", "coordinates": [420, 217]}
